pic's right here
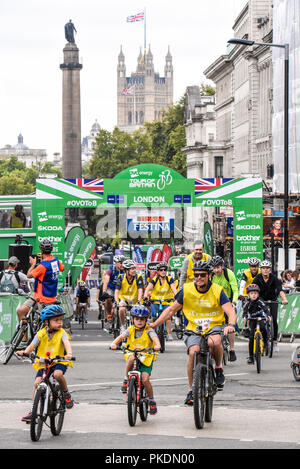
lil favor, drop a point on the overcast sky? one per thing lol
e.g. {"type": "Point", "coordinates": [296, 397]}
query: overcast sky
{"type": "Point", "coordinates": [31, 50]}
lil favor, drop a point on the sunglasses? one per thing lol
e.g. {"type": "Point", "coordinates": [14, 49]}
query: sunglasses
{"type": "Point", "coordinates": [202, 275]}
{"type": "Point", "coordinates": [165, 270]}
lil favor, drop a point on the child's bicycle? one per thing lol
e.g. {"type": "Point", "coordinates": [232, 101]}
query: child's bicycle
{"type": "Point", "coordinates": [137, 399]}
{"type": "Point", "coordinates": [162, 329]}
{"type": "Point", "coordinates": [258, 348]}
{"type": "Point", "coordinates": [295, 363]}
{"type": "Point", "coordinates": [48, 400]}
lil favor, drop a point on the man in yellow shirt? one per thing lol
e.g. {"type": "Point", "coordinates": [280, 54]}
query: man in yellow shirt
{"type": "Point", "coordinates": [187, 274]}
{"type": "Point", "coordinates": [202, 299]}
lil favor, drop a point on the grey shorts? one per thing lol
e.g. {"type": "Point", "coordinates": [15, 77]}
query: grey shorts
{"type": "Point", "coordinates": [30, 302]}
{"type": "Point", "coordinates": [194, 339]}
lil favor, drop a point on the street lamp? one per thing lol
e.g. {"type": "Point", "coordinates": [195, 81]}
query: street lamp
{"type": "Point", "coordinates": [246, 42]}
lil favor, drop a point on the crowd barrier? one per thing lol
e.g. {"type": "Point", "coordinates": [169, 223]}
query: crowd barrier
{"type": "Point", "coordinates": [8, 316]}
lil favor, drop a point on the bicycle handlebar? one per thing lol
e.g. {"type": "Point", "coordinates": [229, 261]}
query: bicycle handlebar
{"type": "Point", "coordinates": [48, 360]}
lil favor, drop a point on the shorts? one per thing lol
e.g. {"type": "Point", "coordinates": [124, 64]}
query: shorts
{"type": "Point", "coordinates": [194, 339]}
{"type": "Point", "coordinates": [59, 366]}
{"type": "Point", "coordinates": [124, 303]}
{"type": "Point", "coordinates": [30, 303]}
{"type": "Point", "coordinates": [146, 369]}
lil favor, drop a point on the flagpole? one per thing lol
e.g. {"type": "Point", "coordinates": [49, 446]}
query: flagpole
{"type": "Point", "coordinates": [134, 118]}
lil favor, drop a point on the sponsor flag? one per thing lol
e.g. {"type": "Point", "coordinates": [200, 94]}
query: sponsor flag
{"type": "Point", "coordinates": [202, 185]}
{"type": "Point", "coordinates": [72, 244]}
{"type": "Point", "coordinates": [134, 18]}
{"type": "Point", "coordinates": [86, 249]}
{"type": "Point", "coordinates": [90, 262]}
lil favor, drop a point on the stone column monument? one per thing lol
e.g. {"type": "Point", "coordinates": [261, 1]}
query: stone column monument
{"type": "Point", "coordinates": [71, 117]}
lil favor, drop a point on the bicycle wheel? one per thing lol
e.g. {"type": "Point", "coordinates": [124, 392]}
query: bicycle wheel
{"type": "Point", "coordinates": [210, 396]}
{"type": "Point", "coordinates": [15, 342]}
{"type": "Point", "coordinates": [270, 339]}
{"type": "Point", "coordinates": [199, 395]}
{"type": "Point", "coordinates": [143, 406]}
{"type": "Point", "coordinates": [257, 351]}
{"type": "Point", "coordinates": [132, 401]}
{"type": "Point", "coordinates": [57, 411]}
{"type": "Point", "coordinates": [81, 317]}
{"type": "Point", "coordinates": [161, 337]}
{"type": "Point", "coordinates": [225, 344]}
{"type": "Point", "coordinates": [295, 364]}
{"type": "Point", "coordinates": [37, 419]}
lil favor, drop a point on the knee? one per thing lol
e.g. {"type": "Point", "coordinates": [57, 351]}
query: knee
{"type": "Point", "coordinates": [58, 374]}
{"type": "Point", "coordinates": [145, 378]}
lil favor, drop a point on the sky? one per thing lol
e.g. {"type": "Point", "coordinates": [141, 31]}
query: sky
{"type": "Point", "coordinates": [31, 49]}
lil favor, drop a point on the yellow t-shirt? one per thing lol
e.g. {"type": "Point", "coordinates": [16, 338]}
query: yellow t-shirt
{"type": "Point", "coordinates": [190, 272]}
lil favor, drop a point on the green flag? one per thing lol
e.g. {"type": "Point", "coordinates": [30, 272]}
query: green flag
{"type": "Point", "coordinates": [86, 248]}
{"type": "Point", "coordinates": [72, 244]}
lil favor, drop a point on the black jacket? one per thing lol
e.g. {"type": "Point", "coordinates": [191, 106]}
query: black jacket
{"type": "Point", "coordinates": [268, 290]}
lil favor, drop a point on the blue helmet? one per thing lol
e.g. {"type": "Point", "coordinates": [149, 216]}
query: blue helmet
{"type": "Point", "coordinates": [51, 311]}
{"type": "Point", "coordinates": [139, 311]}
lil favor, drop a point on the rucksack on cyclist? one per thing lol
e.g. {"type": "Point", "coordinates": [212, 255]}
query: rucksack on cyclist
{"type": "Point", "coordinates": [7, 284]}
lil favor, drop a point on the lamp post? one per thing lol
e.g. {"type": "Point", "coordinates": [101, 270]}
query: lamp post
{"type": "Point", "coordinates": [246, 42]}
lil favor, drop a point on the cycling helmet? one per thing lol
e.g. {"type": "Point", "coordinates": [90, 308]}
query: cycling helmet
{"type": "Point", "coordinates": [129, 264]}
{"type": "Point", "coordinates": [202, 265]}
{"type": "Point", "coordinates": [253, 261]}
{"type": "Point", "coordinates": [81, 284]}
{"type": "Point", "coordinates": [139, 311]}
{"type": "Point", "coordinates": [46, 246]}
{"type": "Point", "coordinates": [266, 263]}
{"type": "Point", "coordinates": [216, 261]}
{"type": "Point", "coordinates": [161, 264]}
{"type": "Point", "coordinates": [119, 258]}
{"type": "Point", "coordinates": [252, 287]}
{"type": "Point", "coordinates": [51, 311]}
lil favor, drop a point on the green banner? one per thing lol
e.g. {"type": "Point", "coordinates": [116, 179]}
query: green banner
{"type": "Point", "coordinates": [176, 262]}
{"type": "Point", "coordinates": [72, 245]}
{"type": "Point", "coordinates": [86, 248]}
{"type": "Point", "coordinates": [8, 315]}
{"type": "Point", "coordinates": [208, 239]}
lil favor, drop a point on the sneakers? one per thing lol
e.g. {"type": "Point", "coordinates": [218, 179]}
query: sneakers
{"type": "Point", "coordinates": [68, 400]}
{"type": "Point", "coordinates": [275, 347]}
{"type": "Point", "coordinates": [124, 386]}
{"type": "Point", "coordinates": [232, 356]}
{"type": "Point", "coordinates": [189, 398]}
{"type": "Point", "coordinates": [170, 338]}
{"type": "Point", "coordinates": [220, 378]}
{"type": "Point", "coordinates": [27, 418]}
{"type": "Point", "coordinates": [250, 360]}
{"type": "Point", "coordinates": [152, 407]}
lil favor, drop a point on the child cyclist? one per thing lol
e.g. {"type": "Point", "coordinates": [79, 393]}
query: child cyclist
{"type": "Point", "coordinates": [140, 335]}
{"type": "Point", "coordinates": [254, 307]}
{"type": "Point", "coordinates": [51, 339]}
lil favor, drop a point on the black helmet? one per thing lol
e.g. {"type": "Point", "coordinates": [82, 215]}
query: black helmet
{"type": "Point", "coordinates": [46, 246]}
{"type": "Point", "coordinates": [202, 265]}
{"type": "Point", "coordinates": [253, 287]}
{"type": "Point", "coordinates": [217, 260]}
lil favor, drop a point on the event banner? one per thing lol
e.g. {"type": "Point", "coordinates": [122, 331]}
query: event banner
{"type": "Point", "coordinates": [85, 250]}
{"type": "Point", "coordinates": [73, 242]}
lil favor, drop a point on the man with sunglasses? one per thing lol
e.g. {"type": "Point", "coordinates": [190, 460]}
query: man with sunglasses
{"type": "Point", "coordinates": [202, 299]}
{"type": "Point", "coordinates": [161, 287]}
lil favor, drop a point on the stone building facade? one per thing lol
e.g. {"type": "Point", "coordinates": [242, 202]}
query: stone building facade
{"type": "Point", "coordinates": [151, 93]}
{"type": "Point", "coordinates": [28, 156]}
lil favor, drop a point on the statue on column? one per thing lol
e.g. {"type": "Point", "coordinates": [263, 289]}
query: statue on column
{"type": "Point", "coordinates": [69, 32]}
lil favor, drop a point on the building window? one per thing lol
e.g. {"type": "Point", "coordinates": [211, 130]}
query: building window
{"type": "Point", "coordinates": [218, 166]}
{"type": "Point", "coordinates": [129, 117]}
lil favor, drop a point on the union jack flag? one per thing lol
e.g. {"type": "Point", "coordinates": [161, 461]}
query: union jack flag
{"type": "Point", "coordinates": [93, 185]}
{"type": "Point", "coordinates": [202, 185]}
{"type": "Point", "coordinates": [128, 90]}
{"type": "Point", "coordinates": [134, 18]}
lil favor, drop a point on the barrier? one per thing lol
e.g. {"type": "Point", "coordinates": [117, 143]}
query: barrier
{"type": "Point", "coordinates": [8, 316]}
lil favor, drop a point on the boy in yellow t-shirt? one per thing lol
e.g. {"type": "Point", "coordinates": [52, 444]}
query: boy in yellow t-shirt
{"type": "Point", "coordinates": [141, 336]}
{"type": "Point", "coordinates": [51, 339]}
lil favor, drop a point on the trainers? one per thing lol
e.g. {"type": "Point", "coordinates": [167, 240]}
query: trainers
{"type": "Point", "coordinates": [153, 407]}
{"type": "Point", "coordinates": [232, 356]}
{"type": "Point", "coordinates": [189, 398]}
{"type": "Point", "coordinates": [68, 400]}
{"type": "Point", "coordinates": [170, 337]}
{"type": "Point", "coordinates": [27, 418]}
{"type": "Point", "coordinates": [275, 347]}
{"type": "Point", "coordinates": [220, 378]}
{"type": "Point", "coordinates": [250, 360]}
{"type": "Point", "coordinates": [124, 386]}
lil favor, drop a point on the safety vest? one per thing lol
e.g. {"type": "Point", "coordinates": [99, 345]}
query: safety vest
{"type": "Point", "coordinates": [50, 279]}
{"type": "Point", "coordinates": [162, 292]}
{"type": "Point", "coordinates": [198, 305]}
{"type": "Point", "coordinates": [249, 279]}
{"type": "Point", "coordinates": [55, 346]}
{"type": "Point", "coordinates": [141, 342]}
{"type": "Point", "coordinates": [190, 272]}
{"type": "Point", "coordinates": [129, 291]}
{"type": "Point", "coordinates": [16, 222]}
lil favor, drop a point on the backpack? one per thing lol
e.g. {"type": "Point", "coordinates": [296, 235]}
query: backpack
{"type": "Point", "coordinates": [6, 281]}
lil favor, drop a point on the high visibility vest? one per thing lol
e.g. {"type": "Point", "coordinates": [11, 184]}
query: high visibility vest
{"type": "Point", "coordinates": [54, 346]}
{"type": "Point", "coordinates": [162, 292]}
{"type": "Point", "coordinates": [190, 272]}
{"type": "Point", "coordinates": [141, 342]}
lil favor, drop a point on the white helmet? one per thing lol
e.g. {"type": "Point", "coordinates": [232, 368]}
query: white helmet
{"type": "Point", "coordinates": [253, 261]}
{"type": "Point", "coordinates": [266, 263]}
{"type": "Point", "coordinates": [119, 258]}
{"type": "Point", "coordinates": [129, 264]}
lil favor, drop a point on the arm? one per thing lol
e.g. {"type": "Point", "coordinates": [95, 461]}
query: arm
{"type": "Point", "coordinates": [148, 290]}
{"type": "Point", "coordinates": [117, 341]}
{"type": "Point", "coordinates": [234, 286]}
{"type": "Point", "coordinates": [32, 261]}
{"type": "Point", "coordinates": [229, 310]}
{"type": "Point", "coordinates": [68, 349]}
{"type": "Point", "coordinates": [156, 343]}
{"type": "Point", "coordinates": [184, 269]}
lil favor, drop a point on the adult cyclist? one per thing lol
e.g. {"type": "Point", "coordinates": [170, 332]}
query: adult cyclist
{"type": "Point", "coordinates": [226, 279]}
{"type": "Point", "coordinates": [129, 290]}
{"type": "Point", "coordinates": [248, 276]}
{"type": "Point", "coordinates": [107, 292]}
{"type": "Point", "coordinates": [83, 297]}
{"type": "Point", "coordinates": [187, 267]}
{"type": "Point", "coordinates": [202, 299]}
{"type": "Point", "coordinates": [161, 287]}
{"type": "Point", "coordinates": [270, 288]}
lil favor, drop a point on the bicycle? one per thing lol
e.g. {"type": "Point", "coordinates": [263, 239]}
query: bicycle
{"type": "Point", "coordinates": [137, 399]}
{"type": "Point", "coordinates": [48, 399]}
{"type": "Point", "coordinates": [226, 350]}
{"type": "Point", "coordinates": [82, 315]}
{"type": "Point", "coordinates": [204, 378]}
{"type": "Point", "coordinates": [295, 363]}
{"type": "Point", "coordinates": [30, 325]}
{"type": "Point", "coordinates": [270, 328]}
{"type": "Point", "coordinates": [179, 325]}
{"type": "Point", "coordinates": [162, 329]}
{"type": "Point", "coordinates": [258, 342]}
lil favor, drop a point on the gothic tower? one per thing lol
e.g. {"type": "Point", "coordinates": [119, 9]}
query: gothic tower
{"type": "Point", "coordinates": [143, 96]}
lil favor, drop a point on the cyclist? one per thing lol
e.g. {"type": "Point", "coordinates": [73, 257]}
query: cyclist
{"type": "Point", "coordinates": [248, 276]}
{"type": "Point", "coordinates": [54, 339]}
{"type": "Point", "coordinates": [83, 296]}
{"type": "Point", "coordinates": [129, 289]}
{"type": "Point", "coordinates": [226, 279]}
{"type": "Point", "coordinates": [270, 288]}
{"type": "Point", "coordinates": [109, 285]}
{"type": "Point", "coordinates": [161, 287]}
{"type": "Point", "coordinates": [46, 278]}
{"type": "Point", "coordinates": [140, 335]}
{"type": "Point", "coordinates": [254, 308]}
{"type": "Point", "coordinates": [202, 299]}
{"type": "Point", "coordinates": [12, 281]}
{"type": "Point", "coordinates": [187, 266]}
